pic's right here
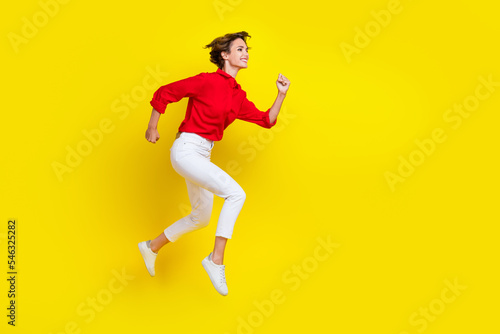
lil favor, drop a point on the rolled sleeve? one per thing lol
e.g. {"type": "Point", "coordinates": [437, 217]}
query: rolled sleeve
{"type": "Point", "coordinates": [250, 113]}
{"type": "Point", "coordinates": [177, 90]}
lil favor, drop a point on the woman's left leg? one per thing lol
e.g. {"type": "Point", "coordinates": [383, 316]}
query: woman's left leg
{"type": "Point", "coordinates": [219, 247]}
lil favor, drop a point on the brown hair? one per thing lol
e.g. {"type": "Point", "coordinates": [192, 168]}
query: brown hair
{"type": "Point", "coordinates": [223, 43]}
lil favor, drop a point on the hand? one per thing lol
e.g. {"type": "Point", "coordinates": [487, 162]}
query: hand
{"type": "Point", "coordinates": [282, 83]}
{"type": "Point", "coordinates": [152, 135]}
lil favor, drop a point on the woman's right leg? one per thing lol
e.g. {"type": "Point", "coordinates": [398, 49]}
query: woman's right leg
{"type": "Point", "coordinates": [201, 209]}
{"type": "Point", "coordinates": [201, 204]}
{"type": "Point", "coordinates": [157, 243]}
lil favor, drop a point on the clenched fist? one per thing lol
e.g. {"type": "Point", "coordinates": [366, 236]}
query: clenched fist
{"type": "Point", "coordinates": [282, 83]}
{"type": "Point", "coordinates": [152, 135]}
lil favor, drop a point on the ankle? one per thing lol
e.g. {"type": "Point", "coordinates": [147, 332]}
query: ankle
{"type": "Point", "coordinates": [216, 259]}
{"type": "Point", "coordinates": [153, 248]}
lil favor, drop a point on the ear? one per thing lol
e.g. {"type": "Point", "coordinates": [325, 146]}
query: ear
{"type": "Point", "coordinates": [223, 54]}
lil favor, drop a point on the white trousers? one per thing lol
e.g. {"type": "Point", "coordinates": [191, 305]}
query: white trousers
{"type": "Point", "coordinates": [190, 157]}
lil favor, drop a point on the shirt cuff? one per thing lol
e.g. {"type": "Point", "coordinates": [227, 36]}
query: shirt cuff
{"type": "Point", "coordinates": [160, 107]}
{"type": "Point", "coordinates": [268, 121]}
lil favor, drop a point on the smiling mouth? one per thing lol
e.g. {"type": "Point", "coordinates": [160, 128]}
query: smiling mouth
{"type": "Point", "coordinates": [244, 60]}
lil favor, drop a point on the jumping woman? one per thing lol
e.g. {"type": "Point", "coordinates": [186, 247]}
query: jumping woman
{"type": "Point", "coordinates": [215, 101]}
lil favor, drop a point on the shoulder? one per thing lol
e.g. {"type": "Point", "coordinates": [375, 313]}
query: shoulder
{"type": "Point", "coordinates": [207, 76]}
{"type": "Point", "coordinates": [210, 75]}
{"type": "Point", "coordinates": [201, 75]}
{"type": "Point", "coordinates": [196, 79]}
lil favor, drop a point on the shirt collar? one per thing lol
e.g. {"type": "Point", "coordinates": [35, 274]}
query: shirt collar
{"type": "Point", "coordinates": [232, 80]}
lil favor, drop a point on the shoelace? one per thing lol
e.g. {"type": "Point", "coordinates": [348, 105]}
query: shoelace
{"type": "Point", "coordinates": [222, 275]}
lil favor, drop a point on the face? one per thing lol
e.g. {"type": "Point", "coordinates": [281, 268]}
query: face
{"type": "Point", "coordinates": [239, 54]}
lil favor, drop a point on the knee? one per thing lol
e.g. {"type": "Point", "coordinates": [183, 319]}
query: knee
{"type": "Point", "coordinates": [200, 219]}
{"type": "Point", "coordinates": [239, 195]}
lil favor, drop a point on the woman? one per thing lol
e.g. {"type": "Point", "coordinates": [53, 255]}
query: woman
{"type": "Point", "coordinates": [215, 101]}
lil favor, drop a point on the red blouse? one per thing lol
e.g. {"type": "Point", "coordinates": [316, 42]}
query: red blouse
{"type": "Point", "coordinates": [215, 101]}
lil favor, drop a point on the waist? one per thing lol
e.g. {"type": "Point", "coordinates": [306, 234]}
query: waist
{"type": "Point", "coordinates": [195, 138]}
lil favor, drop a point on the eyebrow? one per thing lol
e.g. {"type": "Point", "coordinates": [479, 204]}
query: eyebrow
{"type": "Point", "coordinates": [241, 46]}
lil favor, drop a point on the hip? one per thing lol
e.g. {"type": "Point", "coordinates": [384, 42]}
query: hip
{"type": "Point", "coordinates": [189, 144]}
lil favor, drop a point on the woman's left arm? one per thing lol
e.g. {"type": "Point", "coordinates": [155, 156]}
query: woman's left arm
{"type": "Point", "coordinates": [283, 84]}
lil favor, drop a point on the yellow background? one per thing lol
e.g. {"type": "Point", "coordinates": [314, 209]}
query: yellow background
{"type": "Point", "coordinates": [322, 175]}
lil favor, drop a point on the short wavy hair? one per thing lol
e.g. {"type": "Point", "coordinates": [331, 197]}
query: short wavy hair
{"type": "Point", "coordinates": [223, 43]}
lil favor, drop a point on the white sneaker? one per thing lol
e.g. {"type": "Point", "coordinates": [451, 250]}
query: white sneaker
{"type": "Point", "coordinates": [216, 273]}
{"type": "Point", "coordinates": [149, 256]}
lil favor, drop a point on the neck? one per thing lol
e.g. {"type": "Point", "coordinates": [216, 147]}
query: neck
{"type": "Point", "coordinates": [232, 71]}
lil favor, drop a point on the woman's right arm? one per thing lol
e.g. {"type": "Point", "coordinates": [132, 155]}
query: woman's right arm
{"type": "Point", "coordinates": [170, 93]}
{"type": "Point", "coordinates": [152, 134]}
